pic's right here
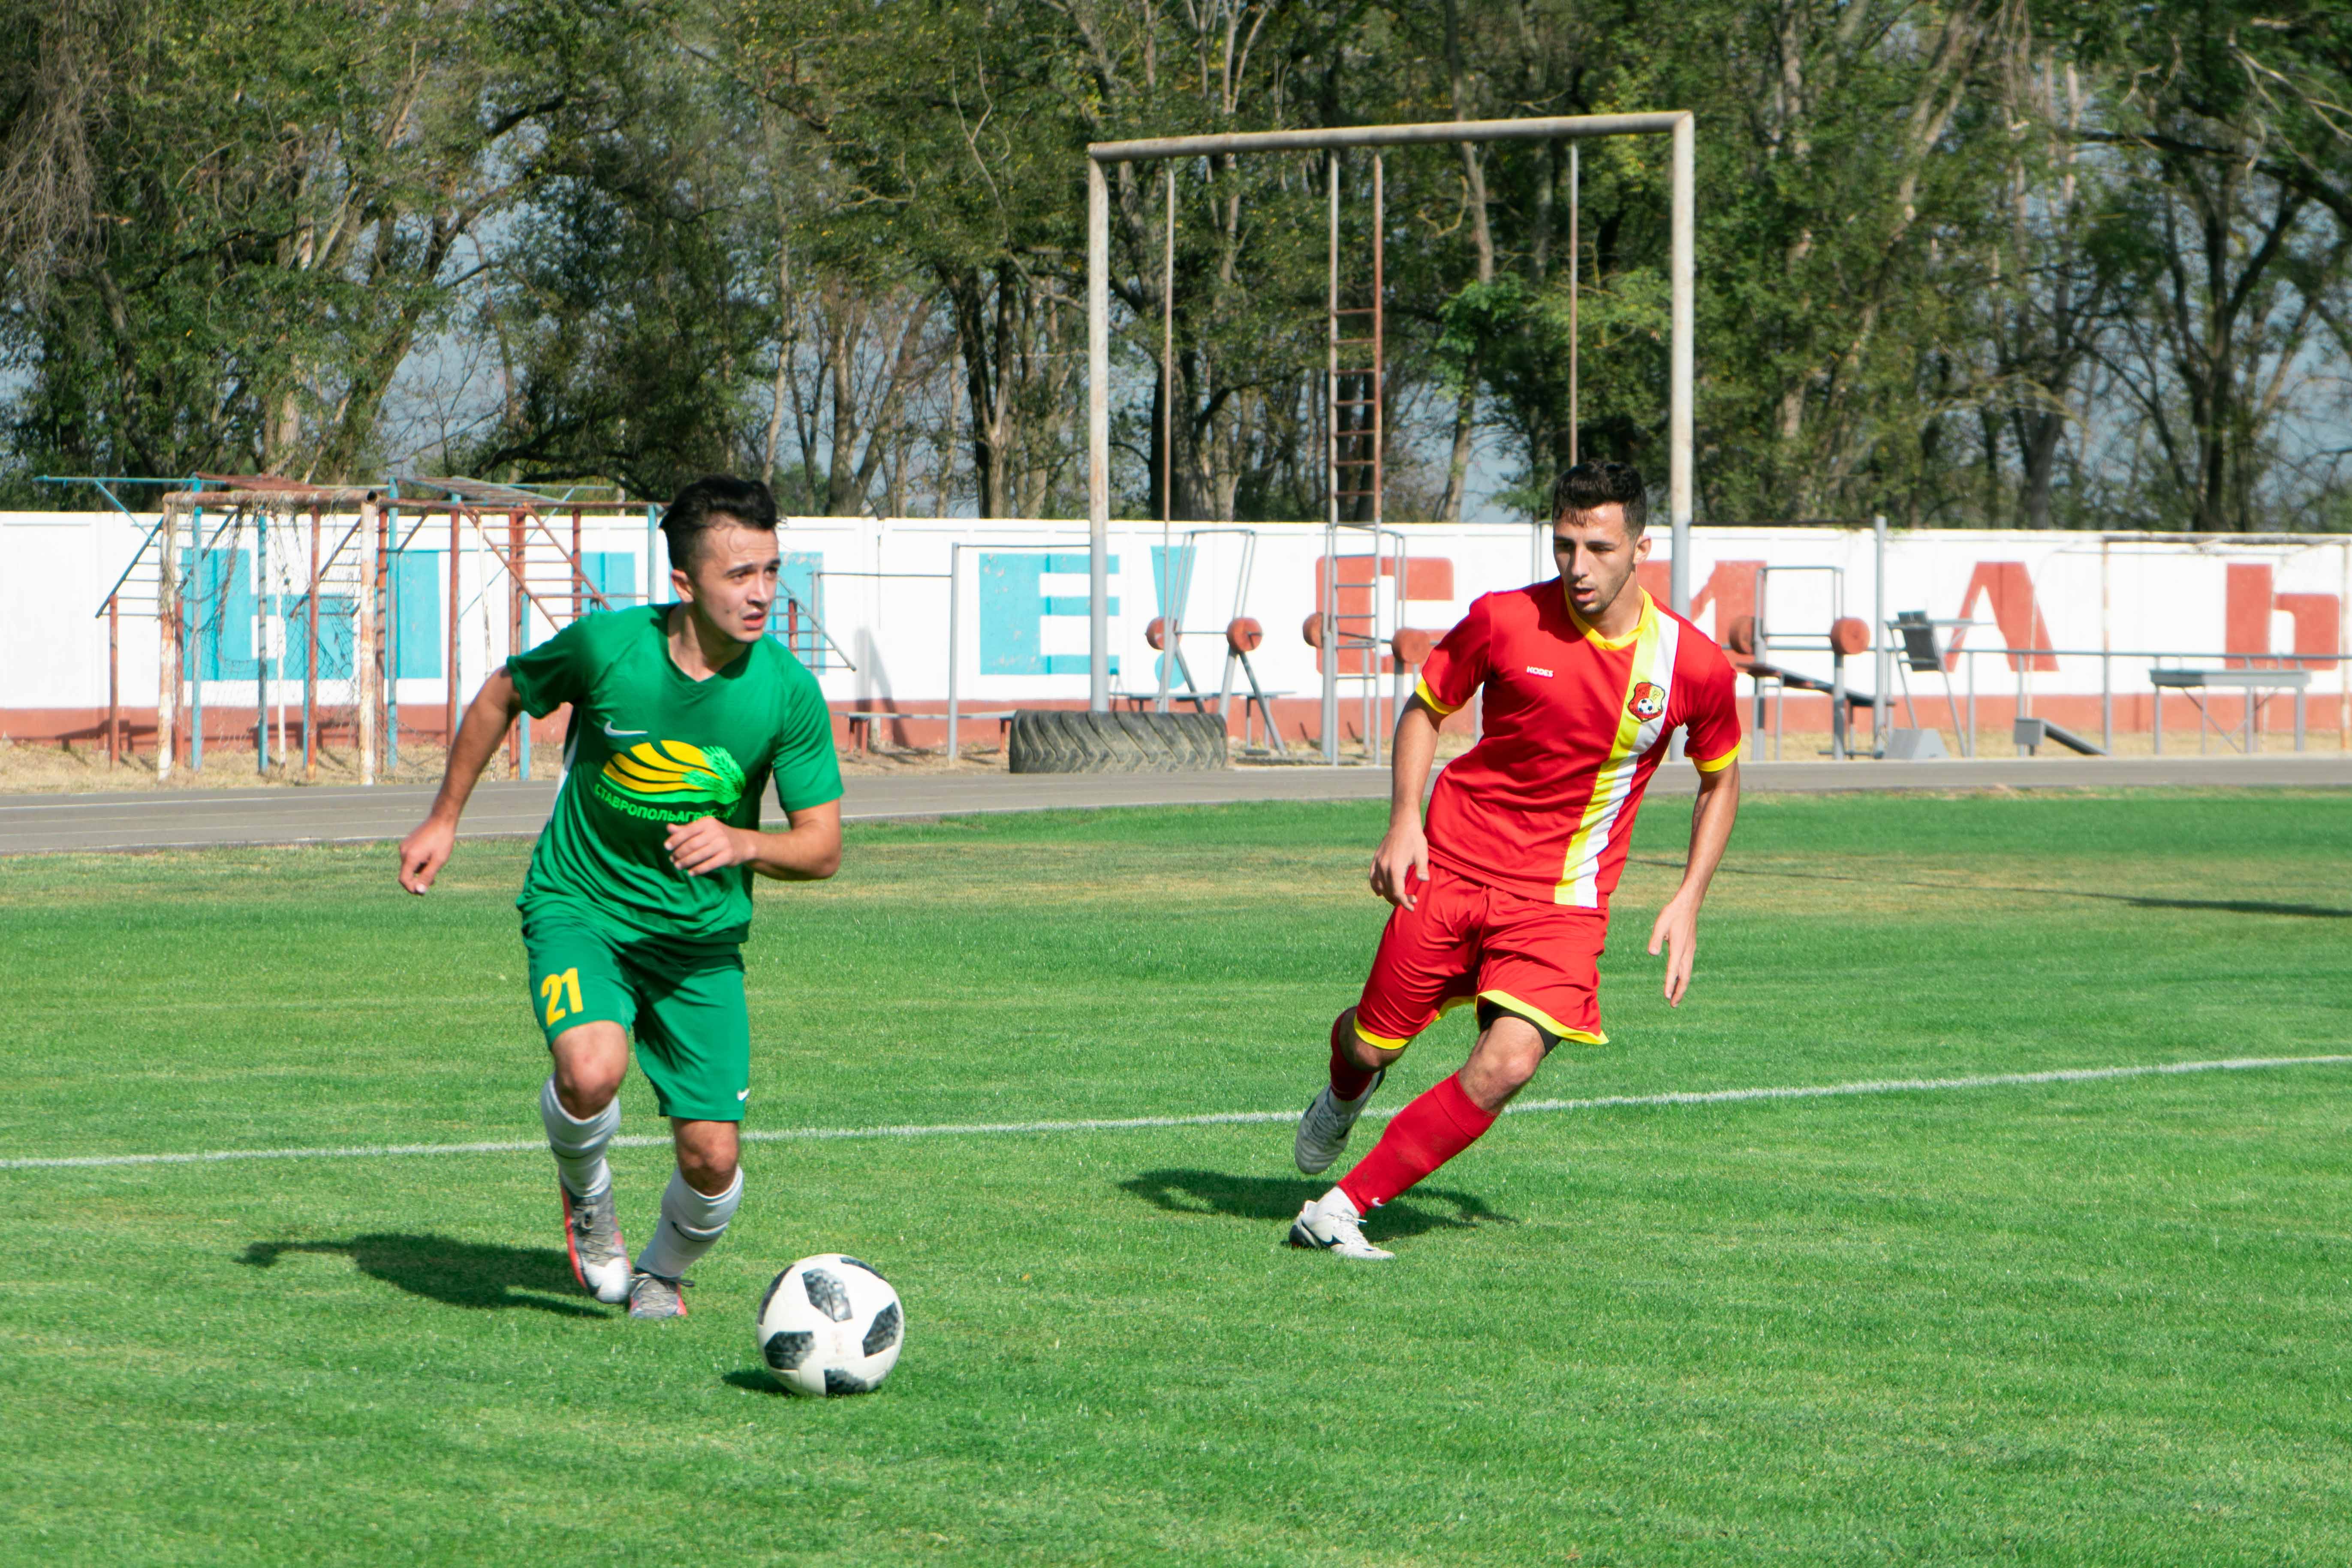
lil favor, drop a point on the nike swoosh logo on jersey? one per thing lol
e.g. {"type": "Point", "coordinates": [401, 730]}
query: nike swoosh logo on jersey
{"type": "Point", "coordinates": [742, 1094]}
{"type": "Point", "coordinates": [619, 734]}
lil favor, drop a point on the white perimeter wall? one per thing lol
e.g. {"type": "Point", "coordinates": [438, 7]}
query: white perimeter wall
{"type": "Point", "coordinates": [1022, 626]}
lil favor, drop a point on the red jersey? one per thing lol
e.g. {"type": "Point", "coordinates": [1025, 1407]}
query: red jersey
{"type": "Point", "coordinates": [1574, 724]}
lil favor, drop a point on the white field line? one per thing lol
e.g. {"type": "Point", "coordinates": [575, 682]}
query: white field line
{"type": "Point", "coordinates": [1214, 1119]}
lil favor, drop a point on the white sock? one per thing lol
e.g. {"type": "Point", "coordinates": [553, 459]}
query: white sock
{"type": "Point", "coordinates": [579, 1146]}
{"type": "Point", "coordinates": [1340, 1202]}
{"type": "Point", "coordinates": [691, 1224]}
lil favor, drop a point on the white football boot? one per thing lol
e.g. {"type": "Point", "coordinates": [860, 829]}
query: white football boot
{"type": "Point", "coordinates": [1330, 1224]}
{"type": "Point", "coordinates": [1323, 1131]}
{"type": "Point", "coordinates": [592, 1234]}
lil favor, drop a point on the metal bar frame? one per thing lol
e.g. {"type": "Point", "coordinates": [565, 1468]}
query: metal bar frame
{"type": "Point", "coordinates": [1677, 124]}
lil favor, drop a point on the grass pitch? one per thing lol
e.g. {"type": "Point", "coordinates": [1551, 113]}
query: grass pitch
{"type": "Point", "coordinates": [2066, 1323]}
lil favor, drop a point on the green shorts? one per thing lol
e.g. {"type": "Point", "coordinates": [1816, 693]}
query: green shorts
{"type": "Point", "coordinates": [683, 1001]}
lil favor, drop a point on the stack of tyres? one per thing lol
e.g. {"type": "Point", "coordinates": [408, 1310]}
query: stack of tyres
{"type": "Point", "coordinates": [1059, 740]}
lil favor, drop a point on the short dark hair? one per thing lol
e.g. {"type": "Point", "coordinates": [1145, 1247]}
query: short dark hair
{"type": "Point", "coordinates": [747, 503]}
{"type": "Point", "coordinates": [1589, 487]}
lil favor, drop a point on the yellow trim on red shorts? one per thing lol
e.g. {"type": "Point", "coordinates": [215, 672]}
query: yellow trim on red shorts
{"type": "Point", "coordinates": [1381, 1041]}
{"type": "Point", "coordinates": [1429, 700]}
{"type": "Point", "coordinates": [1717, 764]}
{"type": "Point", "coordinates": [1541, 1019]}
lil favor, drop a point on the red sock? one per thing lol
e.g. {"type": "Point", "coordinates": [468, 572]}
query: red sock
{"type": "Point", "coordinates": [1348, 1081]}
{"type": "Point", "coordinates": [1434, 1128]}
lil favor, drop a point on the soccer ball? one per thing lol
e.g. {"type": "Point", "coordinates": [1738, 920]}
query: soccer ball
{"type": "Point", "coordinates": [830, 1324]}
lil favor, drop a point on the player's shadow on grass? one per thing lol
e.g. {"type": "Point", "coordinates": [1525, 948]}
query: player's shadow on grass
{"type": "Point", "coordinates": [455, 1273]}
{"type": "Point", "coordinates": [2137, 900]}
{"type": "Point", "coordinates": [1272, 1198]}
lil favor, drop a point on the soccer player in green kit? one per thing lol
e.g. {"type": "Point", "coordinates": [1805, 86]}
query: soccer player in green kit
{"type": "Point", "coordinates": [639, 893]}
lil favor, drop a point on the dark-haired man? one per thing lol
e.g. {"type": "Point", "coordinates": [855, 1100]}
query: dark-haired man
{"type": "Point", "coordinates": [1502, 897]}
{"type": "Point", "coordinates": [639, 893]}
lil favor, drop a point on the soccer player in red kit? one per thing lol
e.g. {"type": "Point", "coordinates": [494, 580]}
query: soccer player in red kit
{"type": "Point", "coordinates": [1502, 897]}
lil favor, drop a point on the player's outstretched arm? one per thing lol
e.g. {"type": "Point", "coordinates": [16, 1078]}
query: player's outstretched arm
{"type": "Point", "coordinates": [808, 850]}
{"type": "Point", "coordinates": [1403, 858]}
{"type": "Point", "coordinates": [424, 852]}
{"type": "Point", "coordinates": [1676, 930]}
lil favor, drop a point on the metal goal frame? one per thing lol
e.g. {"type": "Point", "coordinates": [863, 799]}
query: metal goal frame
{"type": "Point", "coordinates": [1677, 124]}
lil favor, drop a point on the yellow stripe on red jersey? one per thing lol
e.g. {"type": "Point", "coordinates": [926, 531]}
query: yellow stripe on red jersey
{"type": "Point", "coordinates": [1573, 726]}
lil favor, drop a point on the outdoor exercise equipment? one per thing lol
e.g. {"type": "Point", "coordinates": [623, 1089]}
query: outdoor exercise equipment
{"type": "Point", "coordinates": [1750, 636]}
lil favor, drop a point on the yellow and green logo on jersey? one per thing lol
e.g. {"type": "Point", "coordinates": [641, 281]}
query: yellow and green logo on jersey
{"type": "Point", "coordinates": [671, 781]}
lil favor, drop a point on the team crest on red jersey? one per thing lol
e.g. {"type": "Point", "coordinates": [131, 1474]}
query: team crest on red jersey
{"type": "Point", "coordinates": [1649, 700]}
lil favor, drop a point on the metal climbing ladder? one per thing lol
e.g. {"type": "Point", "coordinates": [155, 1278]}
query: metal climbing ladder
{"type": "Point", "coordinates": [1360, 555]}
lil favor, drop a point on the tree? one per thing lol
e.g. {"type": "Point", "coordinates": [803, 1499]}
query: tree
{"type": "Point", "coordinates": [227, 224]}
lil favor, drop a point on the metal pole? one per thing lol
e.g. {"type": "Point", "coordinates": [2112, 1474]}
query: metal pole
{"type": "Point", "coordinates": [278, 653]}
{"type": "Point", "coordinates": [167, 661]}
{"type": "Point", "coordinates": [1575, 267]}
{"type": "Point", "coordinates": [1329, 608]}
{"type": "Point", "coordinates": [1097, 438]}
{"type": "Point", "coordinates": [955, 607]}
{"type": "Point", "coordinates": [364, 676]}
{"type": "Point", "coordinates": [2022, 708]}
{"type": "Point", "coordinates": [1972, 703]}
{"type": "Point", "coordinates": [1881, 650]}
{"type": "Point", "coordinates": [1679, 416]}
{"type": "Point", "coordinates": [261, 653]}
{"type": "Point", "coordinates": [653, 550]}
{"type": "Point", "coordinates": [2106, 643]}
{"type": "Point", "coordinates": [1837, 705]}
{"type": "Point", "coordinates": [194, 641]}
{"type": "Point", "coordinates": [113, 683]}
{"type": "Point", "coordinates": [1379, 369]}
{"type": "Point", "coordinates": [387, 531]}
{"type": "Point", "coordinates": [311, 660]}
{"type": "Point", "coordinates": [1166, 447]}
{"type": "Point", "coordinates": [1376, 721]}
{"type": "Point", "coordinates": [518, 623]}
{"type": "Point", "coordinates": [449, 707]}
{"type": "Point", "coordinates": [1433, 132]}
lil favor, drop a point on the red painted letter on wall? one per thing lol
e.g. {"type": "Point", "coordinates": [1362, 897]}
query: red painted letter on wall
{"type": "Point", "coordinates": [2010, 586]}
{"type": "Point", "coordinates": [1730, 588]}
{"type": "Point", "coordinates": [2246, 621]}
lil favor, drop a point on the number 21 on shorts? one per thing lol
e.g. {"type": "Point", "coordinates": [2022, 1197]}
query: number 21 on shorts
{"type": "Point", "coordinates": [559, 989]}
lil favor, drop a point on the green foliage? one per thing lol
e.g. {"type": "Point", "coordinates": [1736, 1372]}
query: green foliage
{"type": "Point", "coordinates": [1957, 262]}
{"type": "Point", "coordinates": [277, 196]}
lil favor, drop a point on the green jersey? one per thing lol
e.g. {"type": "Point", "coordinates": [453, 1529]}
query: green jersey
{"type": "Point", "coordinates": [649, 747]}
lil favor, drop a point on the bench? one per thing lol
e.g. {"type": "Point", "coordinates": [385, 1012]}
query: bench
{"type": "Point", "coordinates": [2252, 682]}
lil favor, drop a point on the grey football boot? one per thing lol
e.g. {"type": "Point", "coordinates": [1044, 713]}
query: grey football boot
{"type": "Point", "coordinates": [591, 1235]}
{"type": "Point", "coordinates": [655, 1296]}
{"type": "Point", "coordinates": [1323, 1131]}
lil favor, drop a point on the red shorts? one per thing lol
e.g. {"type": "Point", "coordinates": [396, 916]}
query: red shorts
{"type": "Point", "coordinates": [1463, 942]}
